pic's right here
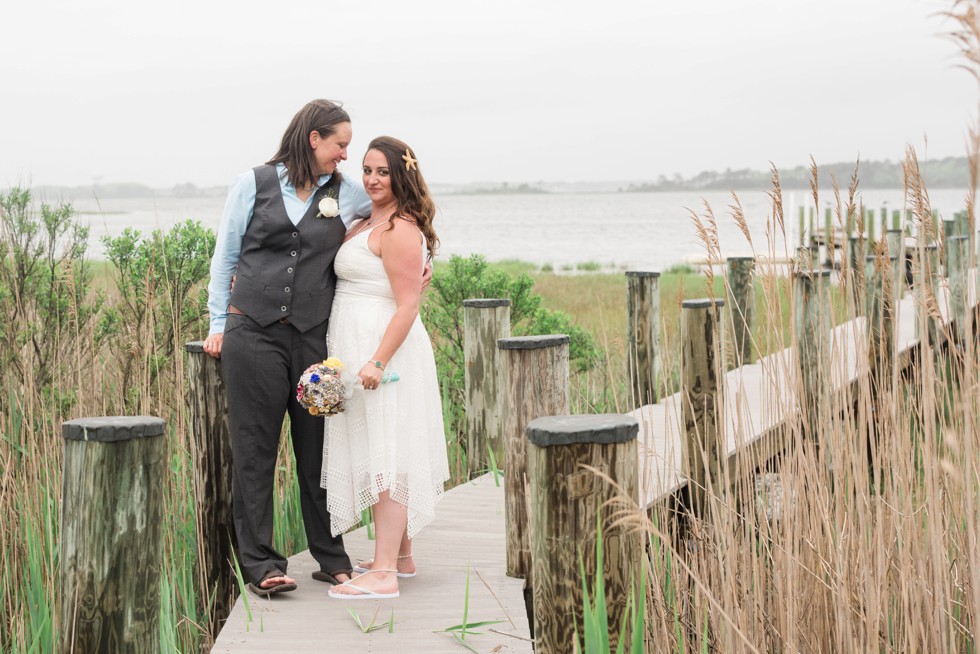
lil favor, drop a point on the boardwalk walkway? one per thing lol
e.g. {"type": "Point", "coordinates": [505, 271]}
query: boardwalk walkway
{"type": "Point", "coordinates": [756, 401]}
{"type": "Point", "coordinates": [469, 527]}
{"type": "Point", "coordinates": [468, 531]}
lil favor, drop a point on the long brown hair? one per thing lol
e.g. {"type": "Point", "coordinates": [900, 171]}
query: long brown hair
{"type": "Point", "coordinates": [409, 187]}
{"type": "Point", "coordinates": [295, 150]}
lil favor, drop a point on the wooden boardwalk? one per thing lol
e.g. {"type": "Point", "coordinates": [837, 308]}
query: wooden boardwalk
{"type": "Point", "coordinates": [469, 526]}
{"type": "Point", "coordinates": [756, 406]}
{"type": "Point", "coordinates": [468, 532]}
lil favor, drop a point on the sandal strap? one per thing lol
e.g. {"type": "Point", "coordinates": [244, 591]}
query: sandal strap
{"type": "Point", "coordinates": [362, 591]}
{"type": "Point", "coordinates": [272, 574]}
{"type": "Point", "coordinates": [350, 582]}
{"type": "Point", "coordinates": [371, 572]}
{"type": "Point", "coordinates": [400, 557]}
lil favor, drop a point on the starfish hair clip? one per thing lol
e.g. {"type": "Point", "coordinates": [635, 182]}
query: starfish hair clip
{"type": "Point", "coordinates": [410, 161]}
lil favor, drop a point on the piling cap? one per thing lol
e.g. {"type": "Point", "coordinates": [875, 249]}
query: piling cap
{"type": "Point", "coordinates": [194, 347]}
{"type": "Point", "coordinates": [594, 428]}
{"type": "Point", "coordinates": [112, 429]}
{"type": "Point", "coordinates": [532, 342]}
{"type": "Point", "coordinates": [487, 303]}
{"type": "Point", "coordinates": [642, 273]}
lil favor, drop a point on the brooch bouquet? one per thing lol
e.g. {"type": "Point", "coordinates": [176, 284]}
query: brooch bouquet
{"type": "Point", "coordinates": [324, 388]}
{"type": "Point", "coordinates": [328, 207]}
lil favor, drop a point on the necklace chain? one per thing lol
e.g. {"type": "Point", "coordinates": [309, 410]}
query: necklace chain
{"type": "Point", "coordinates": [371, 222]}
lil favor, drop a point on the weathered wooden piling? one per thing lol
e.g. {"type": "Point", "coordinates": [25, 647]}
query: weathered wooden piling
{"type": "Point", "coordinates": [949, 230]}
{"type": "Point", "coordinates": [112, 534]}
{"type": "Point", "coordinates": [828, 237]}
{"type": "Point", "coordinates": [210, 444]}
{"type": "Point", "coordinates": [926, 288]}
{"type": "Point", "coordinates": [812, 241]}
{"type": "Point", "coordinates": [537, 375]}
{"type": "Point", "coordinates": [643, 357]}
{"type": "Point", "coordinates": [802, 227]}
{"type": "Point", "coordinates": [812, 338]}
{"type": "Point", "coordinates": [484, 323]}
{"type": "Point", "coordinates": [872, 235]}
{"type": "Point", "coordinates": [957, 268]}
{"type": "Point", "coordinates": [568, 502]}
{"type": "Point", "coordinates": [961, 222]}
{"type": "Point", "coordinates": [741, 298]}
{"type": "Point", "coordinates": [895, 238]}
{"type": "Point", "coordinates": [702, 403]}
{"type": "Point", "coordinates": [854, 279]}
{"type": "Point", "coordinates": [881, 321]}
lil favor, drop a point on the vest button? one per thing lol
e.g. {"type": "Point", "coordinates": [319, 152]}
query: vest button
{"type": "Point", "coordinates": [289, 270]}
{"type": "Point", "coordinates": [282, 308]}
{"type": "Point", "coordinates": [295, 234]}
{"type": "Point", "coordinates": [286, 289]}
{"type": "Point", "coordinates": [293, 253]}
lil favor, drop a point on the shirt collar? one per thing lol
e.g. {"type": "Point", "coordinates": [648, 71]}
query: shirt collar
{"type": "Point", "coordinates": [281, 171]}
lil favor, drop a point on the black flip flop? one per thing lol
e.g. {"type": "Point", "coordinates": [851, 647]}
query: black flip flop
{"type": "Point", "coordinates": [330, 577]}
{"type": "Point", "coordinates": [282, 587]}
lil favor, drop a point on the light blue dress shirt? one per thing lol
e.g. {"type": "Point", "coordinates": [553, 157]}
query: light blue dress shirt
{"type": "Point", "coordinates": [354, 203]}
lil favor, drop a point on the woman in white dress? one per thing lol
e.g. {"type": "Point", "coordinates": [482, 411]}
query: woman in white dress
{"type": "Point", "coordinates": [388, 448]}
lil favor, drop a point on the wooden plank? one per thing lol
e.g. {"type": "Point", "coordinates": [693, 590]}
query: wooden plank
{"type": "Point", "coordinates": [468, 531]}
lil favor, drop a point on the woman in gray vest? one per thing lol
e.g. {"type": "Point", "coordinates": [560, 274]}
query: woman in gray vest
{"type": "Point", "coordinates": [280, 246]}
{"type": "Point", "coordinates": [387, 449]}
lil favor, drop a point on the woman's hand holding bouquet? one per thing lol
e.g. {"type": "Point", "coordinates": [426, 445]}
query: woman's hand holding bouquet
{"type": "Point", "coordinates": [325, 388]}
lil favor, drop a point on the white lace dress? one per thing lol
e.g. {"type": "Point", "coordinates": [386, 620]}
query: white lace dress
{"type": "Point", "coordinates": [391, 438]}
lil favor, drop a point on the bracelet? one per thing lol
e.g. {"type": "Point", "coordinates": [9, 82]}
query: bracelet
{"type": "Point", "coordinates": [377, 364]}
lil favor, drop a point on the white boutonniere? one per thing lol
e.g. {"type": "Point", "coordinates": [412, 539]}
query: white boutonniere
{"type": "Point", "coordinates": [328, 208]}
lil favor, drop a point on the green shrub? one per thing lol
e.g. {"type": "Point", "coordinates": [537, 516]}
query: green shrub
{"type": "Point", "coordinates": [473, 278]}
{"type": "Point", "coordinates": [680, 269]}
{"type": "Point", "coordinates": [44, 291]}
{"type": "Point", "coordinates": [161, 295]}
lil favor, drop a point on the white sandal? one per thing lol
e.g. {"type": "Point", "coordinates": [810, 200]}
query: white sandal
{"type": "Point", "coordinates": [362, 568]}
{"type": "Point", "coordinates": [363, 593]}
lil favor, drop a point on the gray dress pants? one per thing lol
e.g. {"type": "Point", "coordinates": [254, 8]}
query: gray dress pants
{"type": "Point", "coordinates": [261, 366]}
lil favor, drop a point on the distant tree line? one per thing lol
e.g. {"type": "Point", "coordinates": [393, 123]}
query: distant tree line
{"type": "Point", "coordinates": [116, 190]}
{"type": "Point", "coordinates": [951, 172]}
{"type": "Point", "coordinates": [506, 189]}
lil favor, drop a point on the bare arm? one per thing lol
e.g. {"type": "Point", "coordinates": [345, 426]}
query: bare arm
{"type": "Point", "coordinates": [402, 257]}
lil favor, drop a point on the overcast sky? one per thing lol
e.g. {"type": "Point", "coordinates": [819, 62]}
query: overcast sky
{"type": "Point", "coordinates": [516, 90]}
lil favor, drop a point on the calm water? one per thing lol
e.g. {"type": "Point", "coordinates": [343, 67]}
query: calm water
{"type": "Point", "coordinates": [615, 230]}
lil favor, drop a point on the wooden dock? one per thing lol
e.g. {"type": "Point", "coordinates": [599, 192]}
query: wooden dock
{"type": "Point", "coordinates": [467, 534]}
{"type": "Point", "coordinates": [756, 408]}
{"type": "Point", "coordinates": [469, 529]}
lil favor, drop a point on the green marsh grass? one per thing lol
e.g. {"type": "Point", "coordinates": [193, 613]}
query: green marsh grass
{"type": "Point", "coordinates": [466, 628]}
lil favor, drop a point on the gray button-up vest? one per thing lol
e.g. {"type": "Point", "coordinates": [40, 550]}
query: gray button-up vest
{"type": "Point", "coordinates": [286, 270]}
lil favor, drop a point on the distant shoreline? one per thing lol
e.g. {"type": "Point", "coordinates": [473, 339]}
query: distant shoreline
{"type": "Point", "coordinates": [947, 173]}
